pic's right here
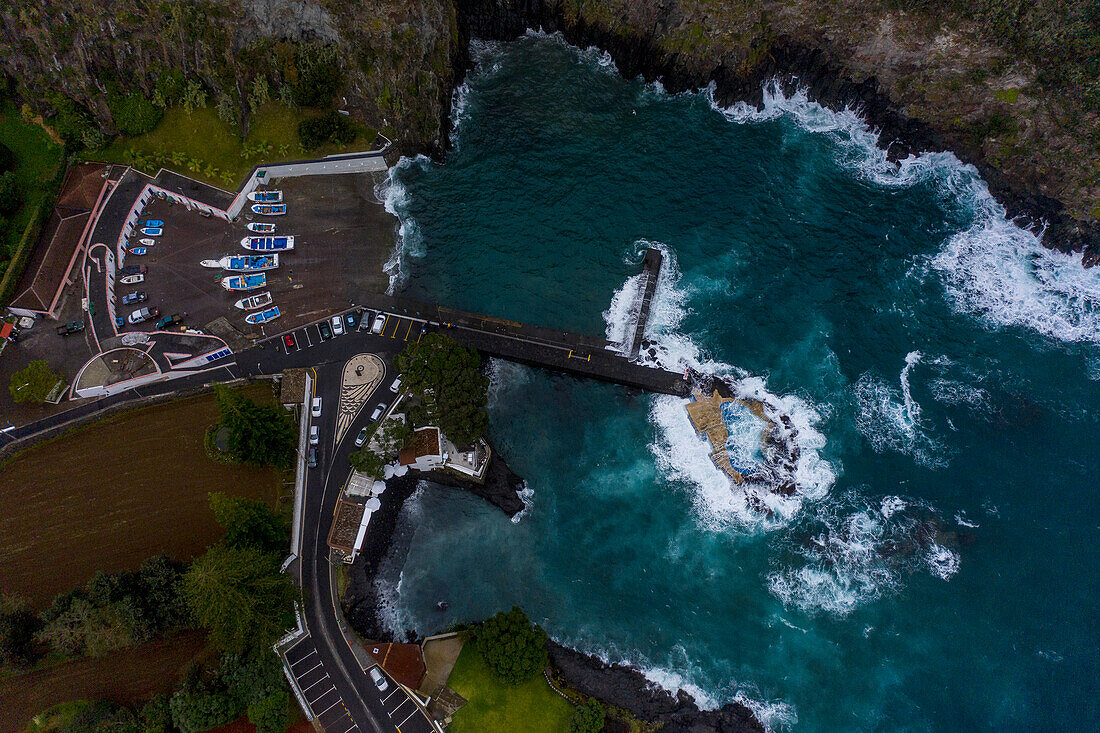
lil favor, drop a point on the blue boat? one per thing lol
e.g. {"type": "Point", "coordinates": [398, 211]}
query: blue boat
{"type": "Point", "coordinates": [266, 197]}
{"type": "Point", "coordinates": [245, 282]}
{"type": "Point", "coordinates": [268, 244]}
{"type": "Point", "coordinates": [263, 316]}
{"type": "Point", "coordinates": [153, 223]}
{"type": "Point", "coordinates": [269, 209]}
{"type": "Point", "coordinates": [152, 231]}
{"type": "Point", "coordinates": [244, 263]}
{"type": "Point", "coordinates": [138, 251]}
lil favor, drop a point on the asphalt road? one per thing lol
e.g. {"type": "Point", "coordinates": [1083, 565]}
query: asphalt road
{"type": "Point", "coordinates": [366, 706]}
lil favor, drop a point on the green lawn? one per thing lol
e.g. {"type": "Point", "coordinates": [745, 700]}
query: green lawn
{"type": "Point", "coordinates": [496, 708]}
{"type": "Point", "coordinates": [37, 159]}
{"type": "Point", "coordinates": [205, 147]}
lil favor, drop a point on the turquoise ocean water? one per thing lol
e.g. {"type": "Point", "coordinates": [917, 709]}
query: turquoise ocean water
{"type": "Point", "coordinates": [938, 569]}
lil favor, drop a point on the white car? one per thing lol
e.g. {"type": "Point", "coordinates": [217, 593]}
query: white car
{"type": "Point", "coordinates": [314, 435]}
{"type": "Point", "coordinates": [317, 407]}
{"type": "Point", "coordinates": [378, 679]}
{"type": "Point", "coordinates": [396, 386]}
{"type": "Point", "coordinates": [337, 326]}
{"type": "Point", "coordinates": [378, 412]}
{"type": "Point", "coordinates": [379, 323]}
{"type": "Point", "coordinates": [361, 438]}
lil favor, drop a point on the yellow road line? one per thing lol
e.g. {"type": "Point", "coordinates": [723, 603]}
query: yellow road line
{"type": "Point", "coordinates": [408, 330]}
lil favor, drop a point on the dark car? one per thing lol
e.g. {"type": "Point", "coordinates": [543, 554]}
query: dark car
{"type": "Point", "coordinates": [133, 270]}
{"type": "Point", "coordinates": [311, 457]}
{"type": "Point", "coordinates": [288, 340]}
{"type": "Point", "coordinates": [349, 319]}
{"type": "Point", "coordinates": [169, 321]}
{"type": "Point", "coordinates": [325, 329]}
{"type": "Point", "coordinates": [70, 328]}
{"type": "Point", "coordinates": [138, 297]}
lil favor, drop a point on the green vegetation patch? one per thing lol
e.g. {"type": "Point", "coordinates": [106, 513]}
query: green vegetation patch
{"type": "Point", "coordinates": [446, 387]}
{"type": "Point", "coordinates": [1008, 96]}
{"type": "Point", "coordinates": [494, 706]}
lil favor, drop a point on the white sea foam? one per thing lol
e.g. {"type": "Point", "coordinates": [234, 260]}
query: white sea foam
{"type": "Point", "coordinates": [890, 419]}
{"type": "Point", "coordinates": [954, 392]}
{"type": "Point", "coordinates": [964, 521]}
{"type": "Point", "coordinates": [388, 581]}
{"type": "Point", "coordinates": [408, 241]}
{"type": "Point", "coordinates": [684, 455]}
{"type": "Point", "coordinates": [994, 269]}
{"type": "Point", "coordinates": [527, 495]}
{"type": "Point", "coordinates": [860, 554]}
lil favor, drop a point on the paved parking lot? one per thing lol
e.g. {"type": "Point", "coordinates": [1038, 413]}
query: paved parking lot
{"type": "Point", "coordinates": [397, 329]}
{"type": "Point", "coordinates": [318, 689]}
{"type": "Point", "coordinates": [400, 708]}
{"type": "Point", "coordinates": [343, 238]}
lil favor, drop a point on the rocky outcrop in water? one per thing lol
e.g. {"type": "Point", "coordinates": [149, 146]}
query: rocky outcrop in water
{"type": "Point", "coordinates": [627, 688]}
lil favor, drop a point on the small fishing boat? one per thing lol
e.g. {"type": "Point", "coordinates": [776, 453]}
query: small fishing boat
{"type": "Point", "coordinates": [147, 242]}
{"type": "Point", "coordinates": [268, 244]}
{"type": "Point", "coordinates": [132, 279]}
{"type": "Point", "coordinates": [261, 227]}
{"type": "Point", "coordinates": [245, 282]}
{"type": "Point", "coordinates": [153, 223]}
{"type": "Point", "coordinates": [266, 197]}
{"type": "Point", "coordinates": [253, 302]}
{"type": "Point", "coordinates": [244, 263]}
{"type": "Point", "coordinates": [269, 209]}
{"type": "Point", "coordinates": [138, 251]}
{"type": "Point", "coordinates": [263, 316]}
{"type": "Point", "coordinates": [152, 231]}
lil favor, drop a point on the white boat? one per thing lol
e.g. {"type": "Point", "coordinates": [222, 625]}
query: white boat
{"type": "Point", "coordinates": [261, 227]}
{"type": "Point", "coordinates": [266, 197]}
{"type": "Point", "coordinates": [132, 279]}
{"type": "Point", "coordinates": [243, 263]}
{"type": "Point", "coordinates": [269, 209]}
{"type": "Point", "coordinates": [253, 302]}
{"type": "Point", "coordinates": [245, 282]}
{"type": "Point", "coordinates": [263, 316]}
{"type": "Point", "coordinates": [152, 231]}
{"type": "Point", "coordinates": [268, 244]}
{"type": "Point", "coordinates": [147, 242]}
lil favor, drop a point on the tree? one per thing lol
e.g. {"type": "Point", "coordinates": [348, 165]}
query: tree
{"type": "Point", "coordinates": [240, 596]}
{"type": "Point", "coordinates": [18, 626]}
{"type": "Point", "coordinates": [512, 646]}
{"type": "Point", "coordinates": [320, 75]}
{"type": "Point", "coordinates": [195, 707]}
{"type": "Point", "coordinates": [258, 434]}
{"type": "Point", "coordinates": [11, 195]}
{"type": "Point", "coordinates": [33, 383]}
{"type": "Point", "coordinates": [328, 127]}
{"type": "Point", "coordinates": [156, 715]}
{"type": "Point", "coordinates": [367, 461]}
{"type": "Point", "coordinates": [7, 158]}
{"type": "Point", "coordinates": [269, 715]}
{"type": "Point", "coordinates": [133, 113]}
{"type": "Point", "coordinates": [251, 677]}
{"type": "Point", "coordinates": [449, 389]}
{"type": "Point", "coordinates": [249, 523]}
{"type": "Point", "coordinates": [392, 435]}
{"type": "Point", "coordinates": [588, 717]}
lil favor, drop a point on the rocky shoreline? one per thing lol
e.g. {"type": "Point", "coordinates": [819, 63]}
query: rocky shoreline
{"type": "Point", "coordinates": [615, 684]}
{"type": "Point", "coordinates": [793, 66]}
{"type": "Point", "coordinates": [627, 688]}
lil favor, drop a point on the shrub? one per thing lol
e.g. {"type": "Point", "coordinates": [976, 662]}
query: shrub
{"type": "Point", "coordinates": [512, 646]}
{"type": "Point", "coordinates": [71, 121]}
{"type": "Point", "coordinates": [133, 113]}
{"type": "Point", "coordinates": [33, 383]}
{"type": "Point", "coordinates": [329, 127]}
{"type": "Point", "coordinates": [320, 75]}
{"type": "Point", "coordinates": [258, 434]}
{"type": "Point", "coordinates": [11, 195]}
{"type": "Point", "coordinates": [448, 387]}
{"type": "Point", "coordinates": [17, 645]}
{"type": "Point", "coordinates": [269, 715]}
{"type": "Point", "coordinates": [249, 523]}
{"type": "Point", "coordinates": [197, 709]}
{"type": "Point", "coordinates": [588, 717]}
{"type": "Point", "coordinates": [7, 158]}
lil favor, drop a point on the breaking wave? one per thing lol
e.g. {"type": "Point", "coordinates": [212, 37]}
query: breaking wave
{"type": "Point", "coordinates": [860, 552]}
{"type": "Point", "coordinates": [890, 419]}
{"type": "Point", "coordinates": [994, 269]}
{"type": "Point", "coordinates": [409, 242]}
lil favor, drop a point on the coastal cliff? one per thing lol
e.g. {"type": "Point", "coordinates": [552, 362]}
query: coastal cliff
{"type": "Point", "coordinates": [1013, 90]}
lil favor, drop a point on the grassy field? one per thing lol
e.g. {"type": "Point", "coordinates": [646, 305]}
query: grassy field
{"type": "Point", "coordinates": [109, 495]}
{"type": "Point", "coordinates": [496, 708]}
{"type": "Point", "coordinates": [205, 147]}
{"type": "Point", "coordinates": [37, 160]}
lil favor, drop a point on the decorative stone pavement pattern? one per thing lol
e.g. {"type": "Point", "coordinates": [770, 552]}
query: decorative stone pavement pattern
{"type": "Point", "coordinates": [362, 374]}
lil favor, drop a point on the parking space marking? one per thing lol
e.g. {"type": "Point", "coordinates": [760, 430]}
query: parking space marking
{"type": "Point", "coordinates": [392, 693]}
{"type": "Point", "coordinates": [315, 703]}
{"type": "Point", "coordinates": [406, 720]}
{"type": "Point", "coordinates": [304, 657]}
{"type": "Point", "coordinates": [306, 332]}
{"type": "Point", "coordinates": [330, 707]}
{"type": "Point", "coordinates": [311, 685]}
{"type": "Point", "coordinates": [301, 675]}
{"type": "Point", "coordinates": [335, 714]}
{"type": "Point", "coordinates": [408, 330]}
